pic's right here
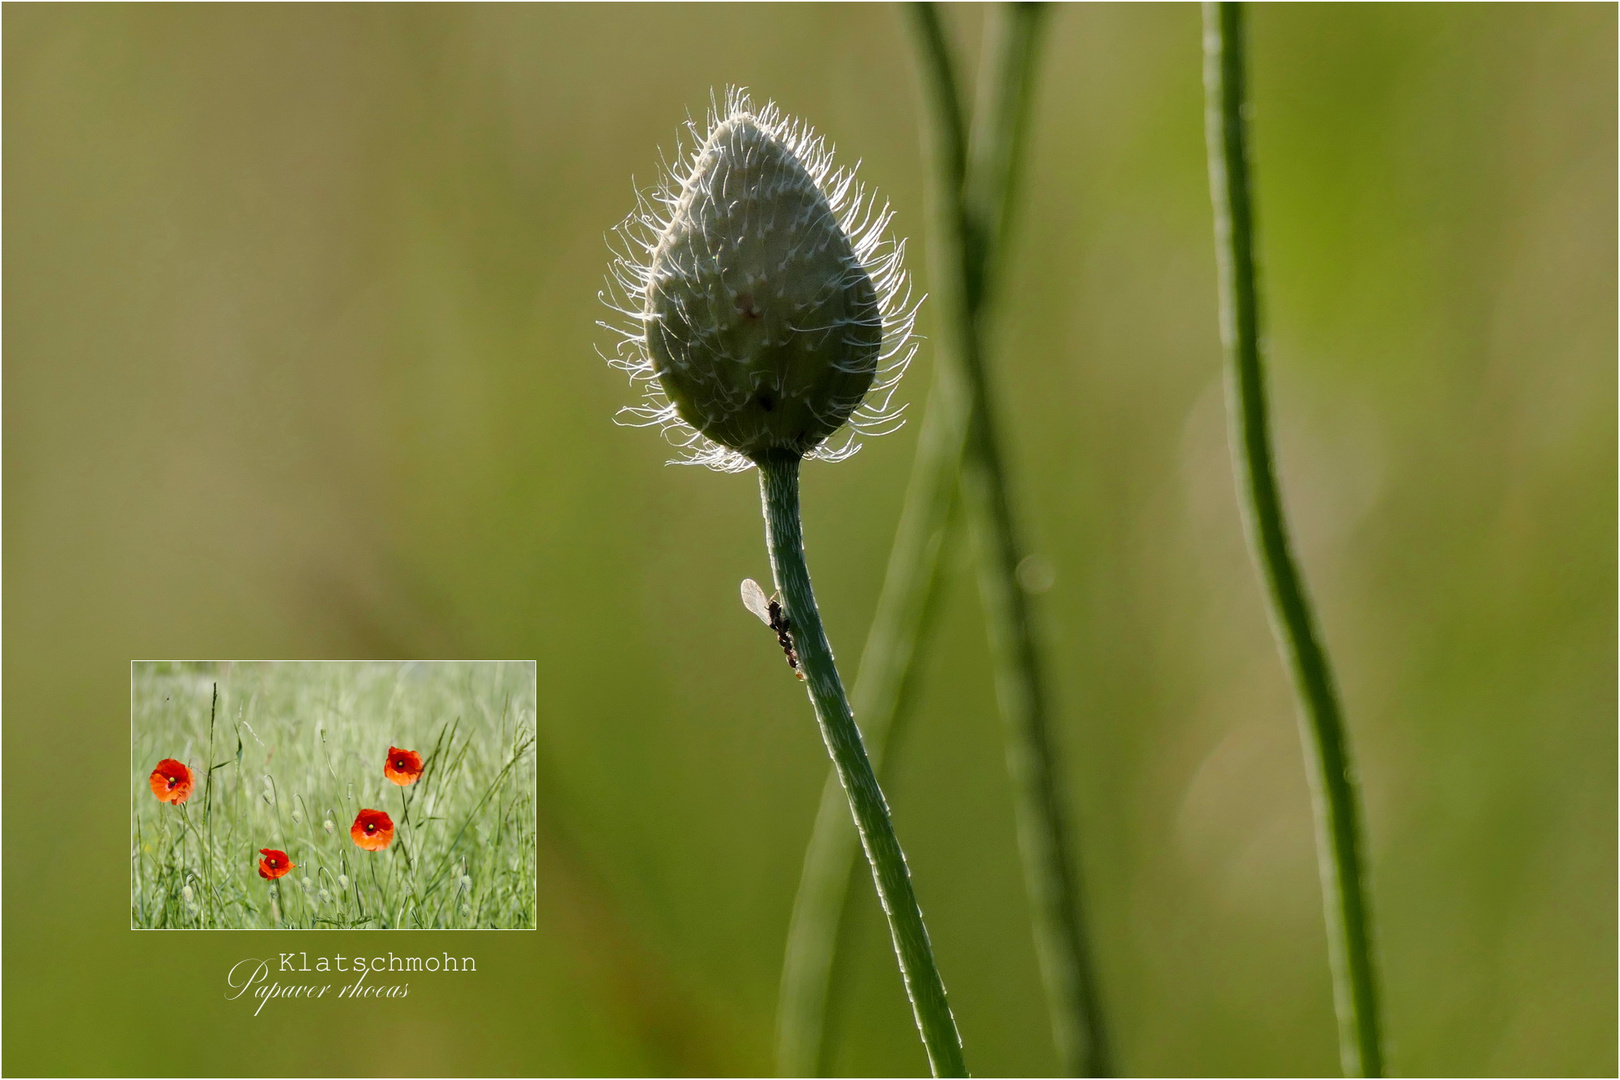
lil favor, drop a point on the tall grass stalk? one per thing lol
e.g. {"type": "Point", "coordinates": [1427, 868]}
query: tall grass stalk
{"type": "Point", "coordinates": [974, 206]}
{"type": "Point", "coordinates": [1327, 752]}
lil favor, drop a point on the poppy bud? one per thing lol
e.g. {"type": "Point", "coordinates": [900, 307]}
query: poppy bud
{"type": "Point", "coordinates": [343, 881]}
{"type": "Point", "coordinates": [323, 897]}
{"type": "Point", "coordinates": [297, 816]}
{"type": "Point", "coordinates": [330, 826]}
{"type": "Point", "coordinates": [770, 302]}
{"type": "Point", "coordinates": [186, 894]}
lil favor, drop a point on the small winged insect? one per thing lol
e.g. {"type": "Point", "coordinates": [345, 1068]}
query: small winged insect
{"type": "Point", "coordinates": [770, 612]}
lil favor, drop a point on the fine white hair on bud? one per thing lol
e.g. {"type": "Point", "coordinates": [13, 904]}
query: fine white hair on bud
{"type": "Point", "coordinates": [764, 302]}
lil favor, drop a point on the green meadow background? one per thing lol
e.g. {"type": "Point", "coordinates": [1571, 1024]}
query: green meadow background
{"type": "Point", "coordinates": [299, 311]}
{"type": "Point", "coordinates": [298, 750]}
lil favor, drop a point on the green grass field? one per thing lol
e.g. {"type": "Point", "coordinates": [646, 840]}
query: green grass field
{"type": "Point", "coordinates": [297, 751]}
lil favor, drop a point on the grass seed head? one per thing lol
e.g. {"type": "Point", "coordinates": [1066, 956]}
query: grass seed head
{"type": "Point", "coordinates": [765, 303]}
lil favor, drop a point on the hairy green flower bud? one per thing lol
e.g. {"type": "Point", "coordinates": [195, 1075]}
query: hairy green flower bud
{"type": "Point", "coordinates": [770, 308]}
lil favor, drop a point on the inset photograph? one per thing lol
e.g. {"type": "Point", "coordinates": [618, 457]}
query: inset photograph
{"type": "Point", "coordinates": [332, 794]}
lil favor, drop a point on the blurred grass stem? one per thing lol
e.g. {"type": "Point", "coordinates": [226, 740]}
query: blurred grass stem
{"type": "Point", "coordinates": [779, 491]}
{"type": "Point", "coordinates": [208, 820]}
{"type": "Point", "coordinates": [973, 212]}
{"type": "Point", "coordinates": [1327, 752]}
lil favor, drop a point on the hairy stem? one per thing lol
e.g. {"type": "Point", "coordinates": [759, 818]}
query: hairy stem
{"type": "Point", "coordinates": [779, 491]}
{"type": "Point", "coordinates": [973, 212]}
{"type": "Point", "coordinates": [1327, 751]}
{"type": "Point", "coordinates": [883, 691]}
{"type": "Point", "coordinates": [887, 676]}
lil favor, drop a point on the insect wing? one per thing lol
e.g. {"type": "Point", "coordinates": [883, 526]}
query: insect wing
{"type": "Point", "coordinates": [753, 598]}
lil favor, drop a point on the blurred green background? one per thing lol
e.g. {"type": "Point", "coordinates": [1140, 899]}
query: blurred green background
{"type": "Point", "coordinates": [299, 325]}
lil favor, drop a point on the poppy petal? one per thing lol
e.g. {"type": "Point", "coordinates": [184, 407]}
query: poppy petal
{"type": "Point", "coordinates": [171, 781]}
{"type": "Point", "coordinates": [372, 830]}
{"type": "Point", "coordinates": [402, 767]}
{"type": "Point", "coordinates": [274, 864]}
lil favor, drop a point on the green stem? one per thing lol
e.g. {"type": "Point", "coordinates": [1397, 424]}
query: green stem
{"type": "Point", "coordinates": [995, 150]}
{"type": "Point", "coordinates": [208, 818]}
{"type": "Point", "coordinates": [884, 689]}
{"type": "Point", "coordinates": [887, 677]}
{"type": "Point", "coordinates": [1327, 752]}
{"type": "Point", "coordinates": [779, 491]}
{"type": "Point", "coordinates": [973, 220]}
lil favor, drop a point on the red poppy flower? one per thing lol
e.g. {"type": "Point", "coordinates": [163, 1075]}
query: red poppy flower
{"type": "Point", "coordinates": [403, 767]}
{"type": "Point", "coordinates": [274, 864]}
{"type": "Point", "coordinates": [171, 781]}
{"type": "Point", "coordinates": [372, 830]}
